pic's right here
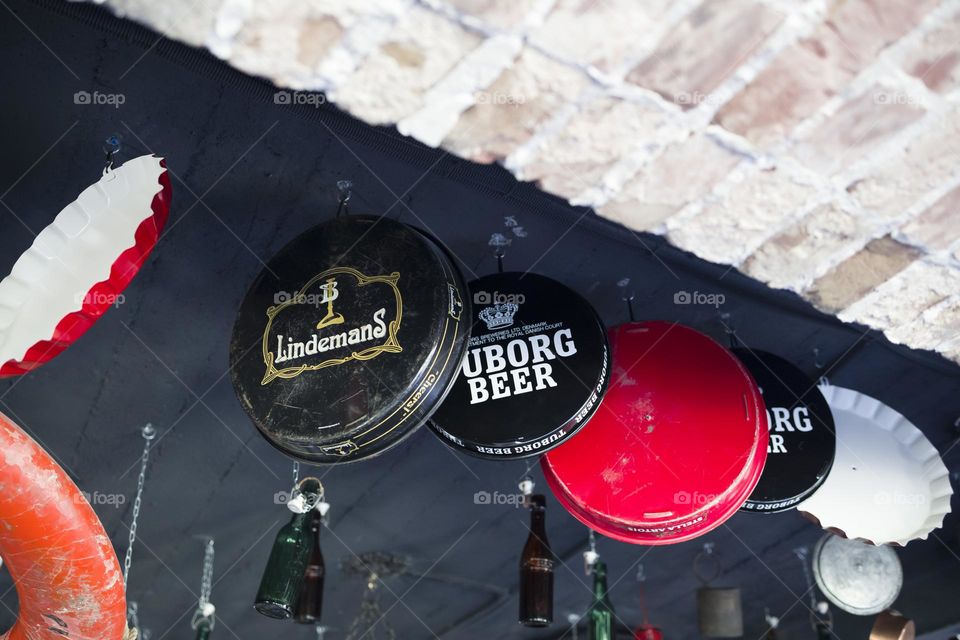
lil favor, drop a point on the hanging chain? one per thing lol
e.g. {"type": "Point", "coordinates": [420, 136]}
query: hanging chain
{"type": "Point", "coordinates": [370, 616]}
{"type": "Point", "coordinates": [206, 580]}
{"type": "Point", "coordinates": [148, 434]}
{"type": "Point", "coordinates": [296, 473]}
{"type": "Point", "coordinates": [802, 553]}
{"type": "Point", "coordinates": [590, 556]}
{"type": "Point", "coordinates": [205, 610]}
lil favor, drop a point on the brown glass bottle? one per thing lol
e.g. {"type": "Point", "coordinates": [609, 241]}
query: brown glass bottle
{"type": "Point", "coordinates": [310, 602]}
{"type": "Point", "coordinates": [536, 570]}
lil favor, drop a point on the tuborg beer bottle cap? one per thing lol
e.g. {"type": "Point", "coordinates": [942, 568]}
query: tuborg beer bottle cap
{"type": "Point", "coordinates": [349, 338]}
{"type": "Point", "coordinates": [803, 440]}
{"type": "Point", "coordinates": [535, 371]}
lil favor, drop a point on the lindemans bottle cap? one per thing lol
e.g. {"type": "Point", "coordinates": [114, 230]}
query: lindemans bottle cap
{"type": "Point", "coordinates": [349, 338]}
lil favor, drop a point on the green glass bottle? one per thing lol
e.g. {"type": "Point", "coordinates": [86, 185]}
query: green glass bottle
{"type": "Point", "coordinates": [203, 630]}
{"type": "Point", "coordinates": [280, 585]}
{"type": "Point", "coordinates": [600, 615]}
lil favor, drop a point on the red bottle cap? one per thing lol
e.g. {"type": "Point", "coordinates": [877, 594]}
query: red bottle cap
{"type": "Point", "coordinates": [677, 445]}
{"type": "Point", "coordinates": [647, 632]}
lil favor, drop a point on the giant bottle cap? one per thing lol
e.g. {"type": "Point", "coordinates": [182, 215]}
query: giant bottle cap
{"type": "Point", "coordinates": [677, 445]}
{"type": "Point", "coordinates": [888, 483]}
{"type": "Point", "coordinates": [80, 264]}
{"type": "Point", "coordinates": [535, 371]}
{"type": "Point", "coordinates": [349, 338]}
{"type": "Point", "coordinates": [802, 434]}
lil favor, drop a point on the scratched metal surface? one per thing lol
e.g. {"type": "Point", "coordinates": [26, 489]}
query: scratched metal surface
{"type": "Point", "coordinates": [265, 174]}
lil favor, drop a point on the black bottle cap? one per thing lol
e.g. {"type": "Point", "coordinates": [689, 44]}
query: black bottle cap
{"type": "Point", "coordinates": [803, 437]}
{"type": "Point", "coordinates": [535, 371]}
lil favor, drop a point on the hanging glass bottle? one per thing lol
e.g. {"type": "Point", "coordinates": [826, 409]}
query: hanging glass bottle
{"type": "Point", "coordinates": [310, 601]}
{"type": "Point", "coordinates": [536, 570]}
{"type": "Point", "coordinates": [287, 565]}
{"type": "Point", "coordinates": [600, 615]}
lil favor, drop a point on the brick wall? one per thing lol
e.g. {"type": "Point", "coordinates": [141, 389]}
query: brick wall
{"type": "Point", "coordinates": [813, 145]}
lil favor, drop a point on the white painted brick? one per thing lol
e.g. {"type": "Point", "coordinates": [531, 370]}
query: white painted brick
{"type": "Point", "coordinates": [580, 31]}
{"type": "Point", "coordinates": [930, 159]}
{"type": "Point", "coordinates": [751, 209]}
{"type": "Point", "coordinates": [805, 250]}
{"type": "Point", "coordinates": [903, 298]}
{"type": "Point", "coordinates": [600, 132]}
{"type": "Point", "coordinates": [666, 184]}
{"type": "Point", "coordinates": [390, 84]}
{"type": "Point", "coordinates": [522, 99]}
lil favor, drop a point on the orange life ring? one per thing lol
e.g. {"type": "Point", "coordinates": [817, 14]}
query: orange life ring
{"type": "Point", "coordinates": [66, 572]}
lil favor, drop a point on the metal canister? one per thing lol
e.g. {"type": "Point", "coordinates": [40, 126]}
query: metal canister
{"type": "Point", "coordinates": [719, 609]}
{"type": "Point", "coordinates": [719, 612]}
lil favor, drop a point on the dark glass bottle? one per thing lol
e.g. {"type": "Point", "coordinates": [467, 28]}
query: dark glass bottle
{"type": "Point", "coordinates": [310, 602]}
{"type": "Point", "coordinates": [203, 630]}
{"type": "Point", "coordinates": [286, 568]}
{"type": "Point", "coordinates": [600, 614]}
{"type": "Point", "coordinates": [536, 570]}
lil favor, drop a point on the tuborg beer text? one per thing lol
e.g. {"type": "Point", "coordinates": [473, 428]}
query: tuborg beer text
{"type": "Point", "coordinates": [521, 366]}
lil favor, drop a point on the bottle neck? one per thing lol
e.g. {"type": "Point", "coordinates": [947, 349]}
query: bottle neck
{"type": "Point", "coordinates": [537, 520]}
{"type": "Point", "coordinates": [599, 584]}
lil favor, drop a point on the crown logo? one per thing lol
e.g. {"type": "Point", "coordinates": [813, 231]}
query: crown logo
{"type": "Point", "coordinates": [499, 315]}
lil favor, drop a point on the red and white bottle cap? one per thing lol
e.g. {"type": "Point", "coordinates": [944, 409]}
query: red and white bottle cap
{"type": "Point", "coordinates": [79, 265]}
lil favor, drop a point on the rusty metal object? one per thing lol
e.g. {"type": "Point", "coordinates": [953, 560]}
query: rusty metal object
{"type": "Point", "coordinates": [67, 575]}
{"type": "Point", "coordinates": [890, 625]}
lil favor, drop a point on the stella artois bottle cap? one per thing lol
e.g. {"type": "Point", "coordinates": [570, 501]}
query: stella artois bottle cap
{"type": "Point", "coordinates": [677, 445]}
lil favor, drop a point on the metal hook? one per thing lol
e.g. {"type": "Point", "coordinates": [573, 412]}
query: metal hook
{"type": "Point", "coordinates": [726, 319]}
{"type": "Point", "coordinates": [111, 148]}
{"type": "Point", "coordinates": [499, 241]}
{"type": "Point", "coordinates": [148, 432]}
{"type": "Point", "coordinates": [345, 192]}
{"type": "Point", "coordinates": [628, 297]}
{"type": "Point", "coordinates": [707, 552]}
